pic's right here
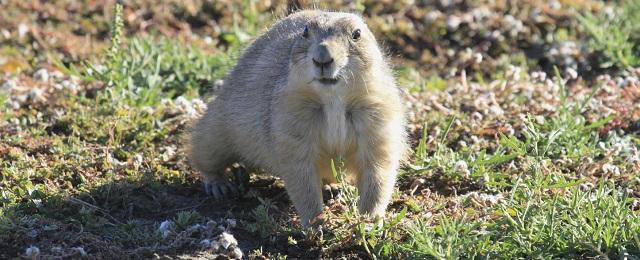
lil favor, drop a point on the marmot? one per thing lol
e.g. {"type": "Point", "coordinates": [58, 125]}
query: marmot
{"type": "Point", "coordinates": [313, 87]}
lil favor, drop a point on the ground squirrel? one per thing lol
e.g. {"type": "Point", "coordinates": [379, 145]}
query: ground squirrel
{"type": "Point", "coordinates": [313, 87]}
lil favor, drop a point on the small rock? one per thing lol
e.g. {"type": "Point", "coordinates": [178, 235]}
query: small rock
{"type": "Point", "coordinates": [169, 153]}
{"type": "Point", "coordinates": [205, 243]}
{"type": "Point", "coordinates": [227, 240]}
{"type": "Point", "coordinates": [540, 76]}
{"type": "Point", "coordinates": [42, 75]}
{"type": "Point", "coordinates": [195, 227]}
{"type": "Point", "coordinates": [236, 253]}
{"type": "Point", "coordinates": [215, 245]}
{"type": "Point", "coordinates": [232, 223]}
{"type": "Point", "coordinates": [610, 168]}
{"type": "Point", "coordinates": [69, 85]}
{"type": "Point", "coordinates": [8, 85]}
{"type": "Point", "coordinates": [166, 102]}
{"type": "Point", "coordinates": [513, 73]}
{"type": "Point", "coordinates": [12, 104]}
{"type": "Point", "coordinates": [80, 251]}
{"type": "Point", "coordinates": [432, 16]}
{"type": "Point", "coordinates": [496, 110]}
{"type": "Point", "coordinates": [573, 74]}
{"type": "Point", "coordinates": [115, 162]}
{"type": "Point", "coordinates": [56, 74]}
{"type": "Point", "coordinates": [490, 198]}
{"type": "Point", "coordinates": [37, 95]}
{"type": "Point", "coordinates": [137, 160]}
{"type": "Point", "coordinates": [57, 250]}
{"type": "Point", "coordinates": [21, 98]}
{"type": "Point", "coordinates": [182, 102]}
{"type": "Point", "coordinates": [218, 84]}
{"type": "Point", "coordinates": [164, 228]}
{"type": "Point", "coordinates": [477, 58]}
{"type": "Point", "coordinates": [198, 104]}
{"type": "Point", "coordinates": [453, 22]}
{"type": "Point", "coordinates": [6, 33]}
{"type": "Point", "coordinates": [22, 30]}
{"type": "Point", "coordinates": [211, 224]}
{"type": "Point", "coordinates": [32, 252]}
{"type": "Point", "coordinates": [462, 168]}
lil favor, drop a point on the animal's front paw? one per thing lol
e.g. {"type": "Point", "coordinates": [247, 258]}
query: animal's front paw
{"type": "Point", "coordinates": [330, 191]}
{"type": "Point", "coordinates": [221, 189]}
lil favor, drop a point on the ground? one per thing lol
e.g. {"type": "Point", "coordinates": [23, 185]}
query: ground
{"type": "Point", "coordinates": [524, 120]}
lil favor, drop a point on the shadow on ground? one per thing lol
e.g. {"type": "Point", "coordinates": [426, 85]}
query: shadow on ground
{"type": "Point", "coordinates": [121, 219]}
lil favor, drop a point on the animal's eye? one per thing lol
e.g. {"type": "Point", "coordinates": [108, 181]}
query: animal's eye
{"type": "Point", "coordinates": [305, 33]}
{"type": "Point", "coordinates": [355, 34]}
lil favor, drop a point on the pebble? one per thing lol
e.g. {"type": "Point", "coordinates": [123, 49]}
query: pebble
{"type": "Point", "coordinates": [169, 153]}
{"type": "Point", "coordinates": [453, 22]}
{"type": "Point", "coordinates": [79, 250]}
{"type": "Point", "coordinates": [69, 85]}
{"type": "Point", "coordinates": [492, 199]}
{"type": "Point", "coordinates": [218, 84]}
{"type": "Point", "coordinates": [8, 85]}
{"type": "Point", "coordinates": [198, 104]}
{"type": "Point", "coordinates": [232, 223]}
{"type": "Point", "coordinates": [211, 224]}
{"type": "Point", "coordinates": [137, 160]}
{"type": "Point", "coordinates": [32, 252]}
{"type": "Point", "coordinates": [227, 240]}
{"type": "Point", "coordinates": [462, 168]}
{"type": "Point", "coordinates": [42, 75]}
{"type": "Point", "coordinates": [573, 74]}
{"type": "Point", "coordinates": [208, 40]}
{"type": "Point", "coordinates": [37, 95]}
{"type": "Point", "coordinates": [22, 30]}
{"type": "Point", "coordinates": [20, 98]}
{"type": "Point", "coordinates": [205, 243]}
{"type": "Point", "coordinates": [236, 253]}
{"type": "Point", "coordinates": [432, 16]}
{"type": "Point", "coordinates": [56, 74]}
{"type": "Point", "coordinates": [164, 228]}
{"type": "Point", "coordinates": [57, 250]}
{"type": "Point", "coordinates": [215, 245]}
{"type": "Point", "coordinates": [513, 73]}
{"type": "Point", "coordinates": [610, 168]}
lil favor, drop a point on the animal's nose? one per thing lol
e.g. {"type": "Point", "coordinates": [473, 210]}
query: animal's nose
{"type": "Point", "coordinates": [322, 64]}
{"type": "Point", "coordinates": [323, 57]}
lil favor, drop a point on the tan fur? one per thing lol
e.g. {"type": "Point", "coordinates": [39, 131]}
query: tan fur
{"type": "Point", "coordinates": [275, 112]}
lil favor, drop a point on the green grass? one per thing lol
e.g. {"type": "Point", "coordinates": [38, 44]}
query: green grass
{"type": "Point", "coordinates": [615, 34]}
{"type": "Point", "coordinates": [535, 223]}
{"type": "Point", "coordinates": [105, 146]}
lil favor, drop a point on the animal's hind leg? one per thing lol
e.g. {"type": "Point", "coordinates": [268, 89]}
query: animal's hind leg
{"type": "Point", "coordinates": [211, 154]}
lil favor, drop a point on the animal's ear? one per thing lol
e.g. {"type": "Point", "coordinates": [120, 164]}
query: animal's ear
{"type": "Point", "coordinates": [296, 6]}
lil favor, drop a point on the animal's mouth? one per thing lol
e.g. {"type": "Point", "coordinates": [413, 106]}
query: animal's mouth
{"type": "Point", "coordinates": [328, 81]}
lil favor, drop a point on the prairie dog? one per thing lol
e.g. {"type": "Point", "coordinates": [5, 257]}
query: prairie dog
{"type": "Point", "coordinates": [313, 87]}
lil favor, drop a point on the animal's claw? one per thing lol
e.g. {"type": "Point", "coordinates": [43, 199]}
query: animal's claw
{"type": "Point", "coordinates": [221, 190]}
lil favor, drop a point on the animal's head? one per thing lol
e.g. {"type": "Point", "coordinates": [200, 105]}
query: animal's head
{"type": "Point", "coordinates": [333, 48]}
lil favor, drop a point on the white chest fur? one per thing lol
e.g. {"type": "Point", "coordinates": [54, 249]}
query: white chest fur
{"type": "Point", "coordinates": [336, 135]}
